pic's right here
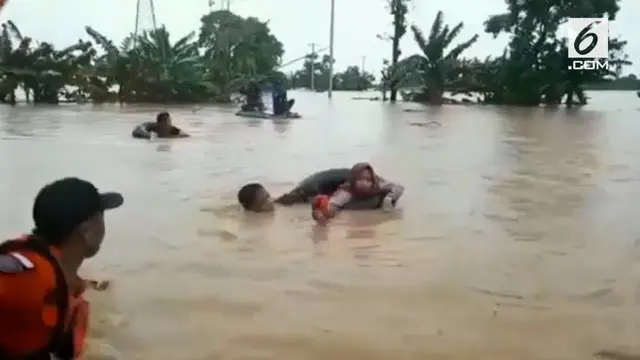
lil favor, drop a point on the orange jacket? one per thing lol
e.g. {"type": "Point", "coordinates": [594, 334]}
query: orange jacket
{"type": "Point", "coordinates": [41, 314]}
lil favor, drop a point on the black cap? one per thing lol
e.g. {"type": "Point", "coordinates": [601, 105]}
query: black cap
{"type": "Point", "coordinates": [64, 204]}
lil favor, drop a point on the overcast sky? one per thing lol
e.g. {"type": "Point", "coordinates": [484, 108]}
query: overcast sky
{"type": "Point", "coordinates": [295, 22]}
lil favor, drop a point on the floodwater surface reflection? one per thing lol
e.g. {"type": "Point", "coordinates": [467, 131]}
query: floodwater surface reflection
{"type": "Point", "coordinates": [516, 237]}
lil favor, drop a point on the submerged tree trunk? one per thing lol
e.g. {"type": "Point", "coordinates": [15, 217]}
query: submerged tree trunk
{"type": "Point", "coordinates": [435, 93]}
{"type": "Point", "coordinates": [399, 12]}
{"type": "Point", "coordinates": [394, 62]}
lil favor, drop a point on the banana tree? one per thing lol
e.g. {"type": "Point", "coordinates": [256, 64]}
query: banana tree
{"type": "Point", "coordinates": [42, 71]}
{"type": "Point", "coordinates": [436, 66]}
{"type": "Point", "coordinates": [155, 69]}
{"type": "Point", "coordinates": [113, 68]}
{"type": "Point", "coordinates": [14, 49]}
{"type": "Point", "coordinates": [55, 69]}
{"type": "Point", "coordinates": [170, 72]}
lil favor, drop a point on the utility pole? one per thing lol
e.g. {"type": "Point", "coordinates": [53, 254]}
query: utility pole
{"type": "Point", "coordinates": [313, 66]}
{"type": "Point", "coordinates": [137, 25]}
{"type": "Point", "coordinates": [363, 79]}
{"type": "Point", "coordinates": [153, 14]}
{"type": "Point", "coordinates": [331, 27]}
{"type": "Point", "coordinates": [135, 28]}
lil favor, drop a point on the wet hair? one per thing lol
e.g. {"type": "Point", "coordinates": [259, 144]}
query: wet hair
{"type": "Point", "coordinates": [162, 117]}
{"type": "Point", "coordinates": [248, 194]}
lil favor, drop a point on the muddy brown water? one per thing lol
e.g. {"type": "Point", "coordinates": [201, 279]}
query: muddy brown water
{"type": "Point", "coordinates": [517, 237]}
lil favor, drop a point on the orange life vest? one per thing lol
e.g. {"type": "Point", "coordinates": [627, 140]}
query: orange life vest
{"type": "Point", "coordinates": [69, 332]}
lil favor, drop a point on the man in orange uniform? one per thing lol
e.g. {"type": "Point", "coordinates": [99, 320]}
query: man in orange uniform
{"type": "Point", "coordinates": [42, 312]}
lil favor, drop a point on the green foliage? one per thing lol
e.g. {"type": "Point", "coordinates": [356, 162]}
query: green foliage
{"type": "Point", "coordinates": [352, 79]}
{"type": "Point", "coordinates": [629, 82]}
{"type": "Point", "coordinates": [237, 49]}
{"type": "Point", "coordinates": [437, 67]}
{"type": "Point", "coordinates": [229, 50]}
{"type": "Point", "coordinates": [146, 67]}
{"type": "Point", "coordinates": [533, 69]}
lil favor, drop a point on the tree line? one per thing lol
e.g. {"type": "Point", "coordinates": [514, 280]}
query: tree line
{"type": "Point", "coordinates": [352, 79]}
{"type": "Point", "coordinates": [532, 70]}
{"type": "Point", "coordinates": [208, 65]}
{"type": "Point", "coordinates": [228, 50]}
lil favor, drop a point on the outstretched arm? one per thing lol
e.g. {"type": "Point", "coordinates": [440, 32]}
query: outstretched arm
{"type": "Point", "coordinates": [177, 132]}
{"type": "Point", "coordinates": [339, 199]}
{"type": "Point", "coordinates": [97, 285]}
{"type": "Point", "coordinates": [295, 196]}
{"type": "Point", "coordinates": [335, 203]}
{"type": "Point", "coordinates": [394, 191]}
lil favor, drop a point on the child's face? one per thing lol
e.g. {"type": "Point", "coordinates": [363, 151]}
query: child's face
{"type": "Point", "coordinates": [364, 180]}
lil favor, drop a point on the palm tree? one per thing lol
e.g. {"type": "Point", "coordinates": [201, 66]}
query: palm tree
{"type": "Point", "coordinates": [437, 67]}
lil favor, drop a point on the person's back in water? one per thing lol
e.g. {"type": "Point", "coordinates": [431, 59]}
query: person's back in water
{"type": "Point", "coordinates": [255, 198]}
{"type": "Point", "coordinates": [321, 182]}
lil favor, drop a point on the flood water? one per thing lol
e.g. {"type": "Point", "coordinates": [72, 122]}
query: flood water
{"type": "Point", "coordinates": [517, 236]}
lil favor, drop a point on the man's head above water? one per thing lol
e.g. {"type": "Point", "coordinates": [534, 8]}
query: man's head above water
{"type": "Point", "coordinates": [164, 126]}
{"type": "Point", "coordinates": [163, 118]}
{"type": "Point", "coordinates": [254, 197]}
